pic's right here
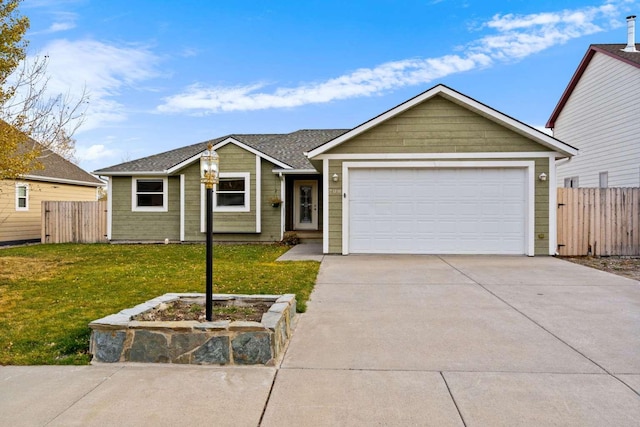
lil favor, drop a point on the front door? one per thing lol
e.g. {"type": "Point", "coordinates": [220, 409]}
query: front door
{"type": "Point", "coordinates": [305, 205]}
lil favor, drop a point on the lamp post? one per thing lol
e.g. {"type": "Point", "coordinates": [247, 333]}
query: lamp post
{"type": "Point", "coordinates": [209, 162]}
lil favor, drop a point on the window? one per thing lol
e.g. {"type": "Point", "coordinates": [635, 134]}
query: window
{"type": "Point", "coordinates": [149, 194]}
{"type": "Point", "coordinates": [604, 179]}
{"type": "Point", "coordinates": [22, 197]}
{"type": "Point", "coordinates": [232, 192]}
{"type": "Point", "coordinates": [571, 182]}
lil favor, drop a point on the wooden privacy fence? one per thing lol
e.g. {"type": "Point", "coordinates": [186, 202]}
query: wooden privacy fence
{"type": "Point", "coordinates": [599, 221]}
{"type": "Point", "coordinates": [74, 222]}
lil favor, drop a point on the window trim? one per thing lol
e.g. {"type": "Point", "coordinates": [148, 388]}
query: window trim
{"type": "Point", "coordinates": [570, 180]}
{"type": "Point", "coordinates": [247, 193]}
{"type": "Point", "coordinates": [603, 178]}
{"type": "Point", "coordinates": [26, 187]}
{"type": "Point", "coordinates": [134, 194]}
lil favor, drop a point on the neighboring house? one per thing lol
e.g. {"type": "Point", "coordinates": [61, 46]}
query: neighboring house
{"type": "Point", "coordinates": [440, 173]}
{"type": "Point", "coordinates": [20, 199]}
{"type": "Point", "coordinates": [598, 114]}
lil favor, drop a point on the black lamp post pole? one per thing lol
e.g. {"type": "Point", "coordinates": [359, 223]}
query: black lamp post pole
{"type": "Point", "coordinates": [209, 284]}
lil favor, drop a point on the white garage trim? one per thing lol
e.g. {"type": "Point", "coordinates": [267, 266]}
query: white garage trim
{"type": "Point", "coordinates": [529, 167]}
{"type": "Point", "coordinates": [325, 207]}
{"type": "Point", "coordinates": [553, 209]}
{"type": "Point", "coordinates": [441, 156]}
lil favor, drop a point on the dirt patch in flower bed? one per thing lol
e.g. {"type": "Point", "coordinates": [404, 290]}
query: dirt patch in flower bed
{"type": "Point", "coordinates": [195, 310]}
{"type": "Point", "coordinates": [622, 266]}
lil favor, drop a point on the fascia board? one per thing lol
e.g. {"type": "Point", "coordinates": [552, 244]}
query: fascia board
{"type": "Point", "coordinates": [296, 171]}
{"type": "Point", "coordinates": [63, 181]}
{"type": "Point", "coordinates": [133, 173]}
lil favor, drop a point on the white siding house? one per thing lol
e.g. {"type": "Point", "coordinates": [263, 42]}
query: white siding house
{"type": "Point", "coordinates": [599, 114]}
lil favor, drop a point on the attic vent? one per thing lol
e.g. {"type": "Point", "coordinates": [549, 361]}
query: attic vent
{"type": "Point", "coordinates": [631, 34]}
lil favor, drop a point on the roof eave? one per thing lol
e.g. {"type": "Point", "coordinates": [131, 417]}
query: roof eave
{"type": "Point", "coordinates": [131, 173]}
{"type": "Point", "coordinates": [62, 181]}
{"type": "Point", "coordinates": [455, 96]}
{"type": "Point", "coordinates": [569, 89]}
{"type": "Point", "coordinates": [190, 160]}
{"type": "Point", "coordinates": [296, 171]}
{"type": "Point", "coordinates": [593, 49]}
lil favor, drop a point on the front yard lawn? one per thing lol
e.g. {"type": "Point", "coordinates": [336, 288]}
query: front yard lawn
{"type": "Point", "coordinates": [49, 293]}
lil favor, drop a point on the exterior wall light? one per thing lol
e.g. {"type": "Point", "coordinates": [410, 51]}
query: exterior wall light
{"type": "Point", "coordinates": [335, 177]}
{"type": "Point", "coordinates": [542, 176]}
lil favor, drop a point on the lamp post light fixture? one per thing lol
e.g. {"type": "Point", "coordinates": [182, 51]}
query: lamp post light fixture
{"type": "Point", "coordinates": [209, 163]}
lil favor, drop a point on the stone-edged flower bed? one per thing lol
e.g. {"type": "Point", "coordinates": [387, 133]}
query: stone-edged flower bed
{"type": "Point", "coordinates": [120, 338]}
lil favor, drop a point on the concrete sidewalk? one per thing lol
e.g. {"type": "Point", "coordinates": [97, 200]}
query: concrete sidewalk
{"type": "Point", "coordinates": [391, 340]}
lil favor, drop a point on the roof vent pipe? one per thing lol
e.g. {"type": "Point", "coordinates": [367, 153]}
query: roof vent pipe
{"type": "Point", "coordinates": [631, 34]}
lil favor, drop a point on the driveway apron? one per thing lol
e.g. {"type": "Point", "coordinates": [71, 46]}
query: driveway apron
{"type": "Point", "coordinates": [462, 340]}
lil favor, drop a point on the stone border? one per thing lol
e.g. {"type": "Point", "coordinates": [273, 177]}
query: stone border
{"type": "Point", "coordinates": [117, 338]}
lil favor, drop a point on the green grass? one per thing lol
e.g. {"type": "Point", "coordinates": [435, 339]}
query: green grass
{"type": "Point", "coordinates": [49, 293]}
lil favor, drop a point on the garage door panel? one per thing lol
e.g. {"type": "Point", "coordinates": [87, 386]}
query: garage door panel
{"type": "Point", "coordinates": [430, 210]}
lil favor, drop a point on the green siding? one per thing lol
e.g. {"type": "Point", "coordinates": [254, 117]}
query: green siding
{"type": "Point", "coordinates": [228, 226]}
{"type": "Point", "coordinates": [236, 159]}
{"type": "Point", "coordinates": [440, 126]}
{"type": "Point", "coordinates": [437, 126]}
{"type": "Point", "coordinates": [192, 195]}
{"type": "Point", "coordinates": [335, 208]}
{"type": "Point", "coordinates": [541, 227]}
{"type": "Point", "coordinates": [144, 226]}
{"type": "Point", "coordinates": [271, 218]}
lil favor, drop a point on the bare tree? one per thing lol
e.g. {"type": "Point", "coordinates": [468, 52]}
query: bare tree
{"type": "Point", "coordinates": [34, 124]}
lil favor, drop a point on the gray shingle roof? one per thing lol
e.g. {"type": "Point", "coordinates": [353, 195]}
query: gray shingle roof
{"type": "Point", "coordinates": [616, 50]}
{"type": "Point", "coordinates": [286, 148]}
{"type": "Point", "coordinates": [56, 167]}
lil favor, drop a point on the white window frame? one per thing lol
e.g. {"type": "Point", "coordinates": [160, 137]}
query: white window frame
{"type": "Point", "coordinates": [571, 182]}
{"type": "Point", "coordinates": [134, 194]}
{"type": "Point", "coordinates": [603, 179]}
{"type": "Point", "coordinates": [247, 193]}
{"type": "Point", "coordinates": [26, 187]}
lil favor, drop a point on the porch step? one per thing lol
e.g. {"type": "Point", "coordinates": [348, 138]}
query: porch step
{"type": "Point", "coordinates": [309, 236]}
{"type": "Point", "coordinates": [310, 239]}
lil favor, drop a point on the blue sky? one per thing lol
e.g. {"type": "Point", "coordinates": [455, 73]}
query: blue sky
{"type": "Point", "coordinates": [165, 74]}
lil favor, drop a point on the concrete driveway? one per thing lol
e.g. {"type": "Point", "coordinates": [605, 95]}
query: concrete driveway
{"type": "Point", "coordinates": [462, 340]}
{"type": "Point", "coordinates": [390, 341]}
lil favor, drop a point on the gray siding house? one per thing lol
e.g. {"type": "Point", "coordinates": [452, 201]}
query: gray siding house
{"type": "Point", "coordinates": [439, 173]}
{"type": "Point", "coordinates": [598, 113]}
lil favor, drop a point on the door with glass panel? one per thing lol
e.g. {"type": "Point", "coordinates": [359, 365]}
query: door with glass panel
{"type": "Point", "coordinates": [305, 205]}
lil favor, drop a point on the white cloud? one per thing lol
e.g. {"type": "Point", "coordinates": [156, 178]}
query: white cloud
{"type": "Point", "coordinates": [515, 37]}
{"type": "Point", "coordinates": [105, 70]}
{"type": "Point", "coordinates": [62, 21]}
{"type": "Point", "coordinates": [94, 152]}
{"type": "Point", "coordinates": [61, 26]}
{"type": "Point", "coordinates": [362, 82]}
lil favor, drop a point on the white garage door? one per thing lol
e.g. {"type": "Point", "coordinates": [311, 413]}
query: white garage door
{"type": "Point", "coordinates": [437, 211]}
